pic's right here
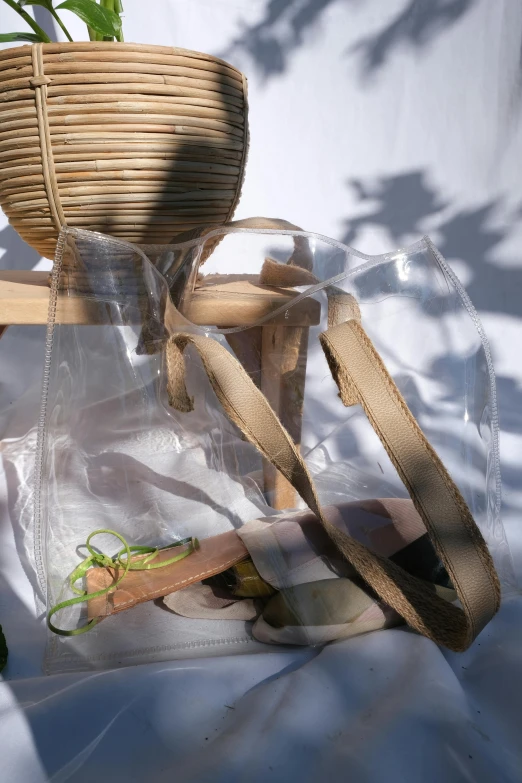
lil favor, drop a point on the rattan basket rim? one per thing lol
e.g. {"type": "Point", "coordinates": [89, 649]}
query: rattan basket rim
{"type": "Point", "coordinates": [110, 46]}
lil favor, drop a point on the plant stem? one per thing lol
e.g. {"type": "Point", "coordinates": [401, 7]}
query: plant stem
{"type": "Point", "coordinates": [118, 9]}
{"type": "Point", "coordinates": [66, 31]}
{"type": "Point", "coordinates": [30, 21]}
{"type": "Point", "coordinates": [110, 5]}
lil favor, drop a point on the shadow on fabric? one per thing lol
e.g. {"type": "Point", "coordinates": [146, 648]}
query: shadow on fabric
{"type": "Point", "coordinates": [416, 26]}
{"type": "Point", "coordinates": [286, 24]}
{"type": "Point", "coordinates": [406, 206]}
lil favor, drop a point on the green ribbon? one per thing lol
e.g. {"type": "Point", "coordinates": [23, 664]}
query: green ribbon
{"type": "Point", "coordinates": [122, 560]}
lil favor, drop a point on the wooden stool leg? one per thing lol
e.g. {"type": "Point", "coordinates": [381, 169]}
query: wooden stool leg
{"type": "Point", "coordinates": [275, 359]}
{"type": "Point", "coordinates": [247, 348]}
{"type": "Point", "coordinates": [283, 370]}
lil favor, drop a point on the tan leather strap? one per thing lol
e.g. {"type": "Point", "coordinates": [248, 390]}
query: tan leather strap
{"type": "Point", "coordinates": [259, 223]}
{"type": "Point", "coordinates": [301, 256]}
{"type": "Point", "coordinates": [458, 541]}
{"type": "Point", "coordinates": [297, 271]}
{"type": "Point", "coordinates": [213, 556]}
{"type": "Point", "coordinates": [362, 378]}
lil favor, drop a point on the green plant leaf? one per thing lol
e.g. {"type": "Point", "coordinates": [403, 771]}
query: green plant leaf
{"type": "Point", "coordinates": [42, 35]}
{"type": "Point", "coordinates": [32, 37]}
{"type": "Point", "coordinates": [98, 18]}
{"type": "Point", "coordinates": [45, 3]}
{"type": "Point", "coordinates": [3, 650]}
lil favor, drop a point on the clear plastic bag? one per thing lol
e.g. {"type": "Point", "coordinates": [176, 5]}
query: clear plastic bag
{"type": "Point", "coordinates": [113, 453]}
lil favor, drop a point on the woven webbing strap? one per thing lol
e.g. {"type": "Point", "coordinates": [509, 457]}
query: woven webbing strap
{"type": "Point", "coordinates": [301, 256]}
{"type": "Point", "coordinates": [39, 83]}
{"type": "Point", "coordinates": [296, 271]}
{"type": "Point", "coordinates": [362, 378]}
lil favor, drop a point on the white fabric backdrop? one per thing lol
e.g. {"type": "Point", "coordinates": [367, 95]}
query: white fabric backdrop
{"type": "Point", "coordinates": [374, 122]}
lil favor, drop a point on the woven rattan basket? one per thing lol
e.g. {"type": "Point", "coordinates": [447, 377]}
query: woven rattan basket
{"type": "Point", "coordinates": [141, 142]}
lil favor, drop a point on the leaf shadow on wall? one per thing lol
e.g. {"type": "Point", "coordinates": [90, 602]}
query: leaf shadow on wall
{"type": "Point", "coordinates": [46, 21]}
{"type": "Point", "coordinates": [406, 206]}
{"type": "Point", "coordinates": [287, 24]}
{"type": "Point", "coordinates": [18, 255]}
{"type": "Point", "coordinates": [416, 26]}
{"type": "Point", "coordinates": [282, 30]}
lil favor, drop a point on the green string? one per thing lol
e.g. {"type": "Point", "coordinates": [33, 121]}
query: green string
{"type": "Point", "coordinates": [123, 560]}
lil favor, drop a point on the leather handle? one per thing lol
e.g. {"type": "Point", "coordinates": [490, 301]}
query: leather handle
{"type": "Point", "coordinates": [362, 378]}
{"type": "Point", "coordinates": [356, 367]}
{"type": "Point", "coordinates": [301, 256]}
{"type": "Point", "coordinates": [261, 223]}
{"type": "Point", "coordinates": [297, 271]}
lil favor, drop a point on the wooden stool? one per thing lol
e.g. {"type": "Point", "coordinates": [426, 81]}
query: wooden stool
{"type": "Point", "coordinates": [273, 354]}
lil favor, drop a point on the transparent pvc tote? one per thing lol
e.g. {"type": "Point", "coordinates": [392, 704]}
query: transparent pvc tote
{"type": "Point", "coordinates": [292, 442]}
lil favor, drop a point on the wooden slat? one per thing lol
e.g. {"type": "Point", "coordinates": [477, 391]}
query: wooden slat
{"type": "Point", "coordinates": [24, 299]}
